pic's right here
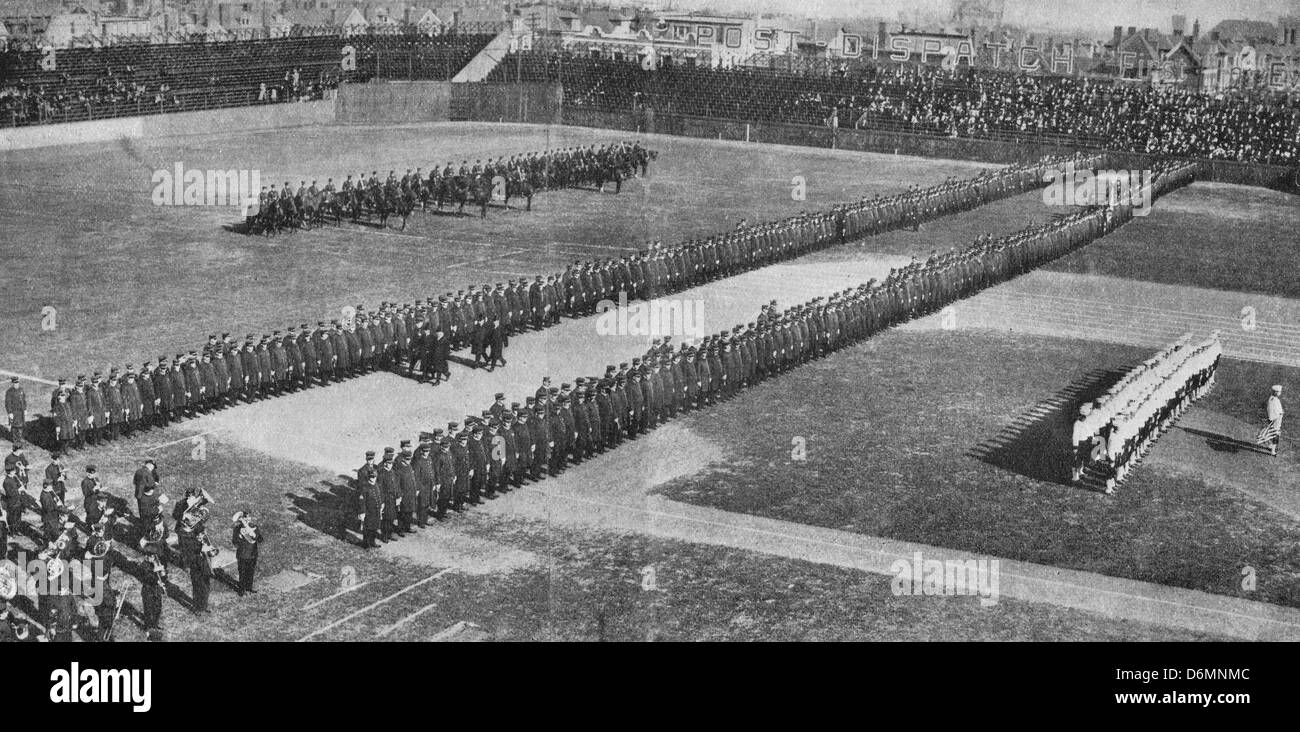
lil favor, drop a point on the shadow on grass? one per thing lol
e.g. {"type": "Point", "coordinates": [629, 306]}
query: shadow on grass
{"type": "Point", "coordinates": [329, 509]}
{"type": "Point", "coordinates": [1224, 443]}
{"type": "Point", "coordinates": [1037, 443]}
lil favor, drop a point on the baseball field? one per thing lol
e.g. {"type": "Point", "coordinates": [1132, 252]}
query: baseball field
{"type": "Point", "coordinates": [773, 516]}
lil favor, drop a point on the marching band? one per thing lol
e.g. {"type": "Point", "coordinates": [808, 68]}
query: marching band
{"type": "Point", "coordinates": [67, 591]}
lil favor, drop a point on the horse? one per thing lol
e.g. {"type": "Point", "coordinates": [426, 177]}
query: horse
{"type": "Point", "coordinates": [480, 192]}
{"type": "Point", "coordinates": [518, 187]}
{"type": "Point", "coordinates": [609, 172]}
{"type": "Point", "coordinates": [450, 189]}
{"type": "Point", "coordinates": [379, 201]}
{"type": "Point", "coordinates": [332, 206]}
{"type": "Point", "coordinates": [354, 203]}
{"type": "Point", "coordinates": [309, 205]}
{"type": "Point", "coordinates": [402, 203]}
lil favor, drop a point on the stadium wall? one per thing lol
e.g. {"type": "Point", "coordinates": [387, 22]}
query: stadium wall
{"type": "Point", "coordinates": [962, 148]}
{"type": "Point", "coordinates": [388, 102]}
{"type": "Point", "coordinates": [163, 125]}
{"type": "Point", "coordinates": [536, 103]}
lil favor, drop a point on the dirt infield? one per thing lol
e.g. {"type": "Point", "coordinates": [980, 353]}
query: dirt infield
{"type": "Point", "coordinates": [331, 427]}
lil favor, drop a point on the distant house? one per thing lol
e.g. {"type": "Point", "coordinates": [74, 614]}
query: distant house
{"type": "Point", "coordinates": [115, 28]}
{"type": "Point", "coordinates": [69, 26]}
{"type": "Point", "coordinates": [26, 20]}
{"type": "Point", "coordinates": [353, 22]}
{"type": "Point", "coordinates": [424, 20]}
{"type": "Point", "coordinates": [212, 30]}
{"type": "Point", "coordinates": [380, 20]}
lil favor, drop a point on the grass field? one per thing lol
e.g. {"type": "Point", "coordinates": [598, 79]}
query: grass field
{"type": "Point", "coordinates": [1223, 237]}
{"type": "Point", "coordinates": [901, 431]}
{"type": "Point", "coordinates": [900, 434]}
{"type": "Point", "coordinates": [130, 280]}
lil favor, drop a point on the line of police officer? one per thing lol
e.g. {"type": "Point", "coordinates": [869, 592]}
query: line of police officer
{"type": "Point", "coordinates": [504, 445]}
{"type": "Point", "coordinates": [402, 337]}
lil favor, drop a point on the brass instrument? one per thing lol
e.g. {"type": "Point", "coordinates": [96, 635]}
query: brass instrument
{"type": "Point", "coordinates": [247, 529]}
{"type": "Point", "coordinates": [196, 511]}
{"type": "Point", "coordinates": [209, 549]}
{"type": "Point", "coordinates": [155, 538]}
{"type": "Point", "coordinates": [99, 549]}
{"type": "Point", "coordinates": [101, 526]}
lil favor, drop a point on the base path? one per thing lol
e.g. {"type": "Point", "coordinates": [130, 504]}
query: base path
{"type": "Point", "coordinates": [607, 493]}
{"type": "Point", "coordinates": [332, 427]}
{"type": "Point", "coordinates": [1102, 308]}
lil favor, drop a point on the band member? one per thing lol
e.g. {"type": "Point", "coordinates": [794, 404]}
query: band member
{"type": "Point", "coordinates": [246, 537]}
{"type": "Point", "coordinates": [150, 506]}
{"type": "Point", "coordinates": [52, 511]}
{"type": "Point", "coordinates": [101, 518]}
{"type": "Point", "coordinates": [145, 476]}
{"type": "Point", "coordinates": [14, 498]}
{"type": "Point", "coordinates": [12, 628]}
{"type": "Point", "coordinates": [16, 409]}
{"type": "Point", "coordinates": [56, 473]}
{"type": "Point", "coordinates": [100, 566]}
{"type": "Point", "coordinates": [58, 606]}
{"type": "Point", "coordinates": [199, 562]}
{"type": "Point", "coordinates": [90, 483]}
{"type": "Point", "coordinates": [152, 591]}
{"type": "Point", "coordinates": [18, 461]}
{"type": "Point", "coordinates": [157, 539]}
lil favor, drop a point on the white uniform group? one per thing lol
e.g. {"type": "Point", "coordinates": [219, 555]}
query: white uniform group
{"type": "Point", "coordinates": [1113, 433]}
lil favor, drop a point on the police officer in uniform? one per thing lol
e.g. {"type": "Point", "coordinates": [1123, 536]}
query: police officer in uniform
{"type": "Point", "coordinates": [16, 409]}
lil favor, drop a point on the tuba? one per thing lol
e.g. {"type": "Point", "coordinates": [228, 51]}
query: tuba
{"type": "Point", "coordinates": [196, 510]}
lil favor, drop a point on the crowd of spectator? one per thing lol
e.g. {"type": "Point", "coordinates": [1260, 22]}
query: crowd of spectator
{"type": "Point", "coordinates": [1248, 126]}
{"type": "Point", "coordinates": [38, 87]}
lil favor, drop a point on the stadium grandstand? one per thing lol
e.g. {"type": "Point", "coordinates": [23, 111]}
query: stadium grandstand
{"type": "Point", "coordinates": [143, 78]}
{"type": "Point", "coordinates": [977, 103]}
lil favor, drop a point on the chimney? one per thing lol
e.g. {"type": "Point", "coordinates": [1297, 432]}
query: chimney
{"type": "Point", "coordinates": [1119, 36]}
{"type": "Point", "coordinates": [1196, 29]}
{"type": "Point", "coordinates": [1179, 25]}
{"type": "Point", "coordinates": [1132, 30]}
